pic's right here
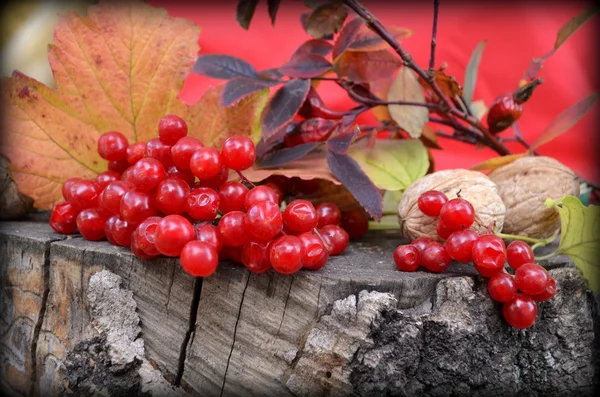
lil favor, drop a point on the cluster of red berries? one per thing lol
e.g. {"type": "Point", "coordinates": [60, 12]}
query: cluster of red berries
{"type": "Point", "coordinates": [171, 196]}
{"type": "Point", "coordinates": [518, 292]}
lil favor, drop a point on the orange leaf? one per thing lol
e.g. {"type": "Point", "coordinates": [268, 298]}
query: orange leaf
{"type": "Point", "coordinates": [495, 162]}
{"type": "Point", "coordinates": [366, 66]}
{"type": "Point", "coordinates": [381, 88]}
{"type": "Point", "coordinates": [447, 84]}
{"type": "Point", "coordinates": [367, 40]}
{"type": "Point", "coordinates": [120, 68]}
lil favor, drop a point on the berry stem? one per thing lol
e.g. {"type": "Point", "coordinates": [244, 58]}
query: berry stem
{"type": "Point", "coordinates": [327, 246]}
{"type": "Point", "coordinates": [243, 179]}
{"type": "Point", "coordinates": [548, 256]}
{"type": "Point", "coordinates": [538, 242]}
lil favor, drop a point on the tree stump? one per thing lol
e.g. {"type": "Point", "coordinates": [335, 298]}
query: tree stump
{"type": "Point", "coordinates": [89, 318]}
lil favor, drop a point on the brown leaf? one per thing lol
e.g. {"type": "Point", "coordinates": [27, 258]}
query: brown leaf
{"type": "Point", "coordinates": [326, 19]}
{"type": "Point", "coordinates": [429, 138]}
{"type": "Point", "coordinates": [327, 191]}
{"type": "Point", "coordinates": [381, 88]}
{"type": "Point", "coordinates": [495, 162]}
{"type": "Point", "coordinates": [571, 27]}
{"type": "Point", "coordinates": [406, 88]}
{"type": "Point", "coordinates": [366, 66]}
{"type": "Point", "coordinates": [367, 40]}
{"type": "Point", "coordinates": [447, 84]}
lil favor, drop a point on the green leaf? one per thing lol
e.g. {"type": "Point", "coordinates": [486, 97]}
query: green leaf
{"type": "Point", "coordinates": [580, 236]}
{"type": "Point", "coordinates": [390, 202]}
{"type": "Point", "coordinates": [571, 27]}
{"type": "Point", "coordinates": [471, 72]}
{"type": "Point", "coordinates": [392, 164]}
{"type": "Point", "coordinates": [388, 222]}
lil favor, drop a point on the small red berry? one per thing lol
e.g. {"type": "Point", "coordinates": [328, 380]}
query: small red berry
{"type": "Point", "coordinates": [84, 194]}
{"type": "Point", "coordinates": [232, 230]}
{"type": "Point", "coordinates": [184, 175]}
{"type": "Point", "coordinates": [171, 195]}
{"type": "Point", "coordinates": [216, 182]}
{"type": "Point", "coordinates": [285, 254]}
{"type": "Point", "coordinates": [110, 198]}
{"type": "Point", "coordinates": [421, 242]}
{"type": "Point", "coordinates": [118, 231]}
{"type": "Point", "coordinates": [66, 187]}
{"type": "Point", "coordinates": [238, 153]}
{"type": "Point", "coordinates": [63, 218]}
{"type": "Point", "coordinates": [157, 150]}
{"type": "Point", "coordinates": [442, 230]}
{"type": "Point", "coordinates": [435, 258]}
{"type": "Point", "coordinates": [300, 216]}
{"type": "Point", "coordinates": [531, 278]}
{"type": "Point", "coordinates": [519, 253]}
{"type": "Point", "coordinates": [172, 233]}
{"type": "Point", "coordinates": [520, 312]}
{"type": "Point", "coordinates": [263, 221]}
{"type": "Point", "coordinates": [202, 204]}
{"type": "Point", "coordinates": [459, 245]}
{"type": "Point", "coordinates": [135, 152]}
{"type": "Point", "coordinates": [430, 202]}
{"type": "Point", "coordinates": [208, 233]}
{"type": "Point", "coordinates": [171, 128]}
{"type": "Point", "coordinates": [255, 256]}
{"type": "Point", "coordinates": [206, 163]}
{"type": "Point", "coordinates": [147, 174]}
{"type": "Point", "coordinates": [489, 254]}
{"type": "Point", "coordinates": [328, 214]}
{"type": "Point", "coordinates": [106, 177]}
{"type": "Point", "coordinates": [258, 194]}
{"type": "Point", "coordinates": [145, 234]}
{"type": "Point", "coordinates": [199, 259]}
{"type": "Point", "coordinates": [90, 223]}
{"type": "Point", "coordinates": [137, 206]}
{"type": "Point", "coordinates": [315, 254]}
{"type": "Point", "coordinates": [407, 258]}
{"type": "Point", "coordinates": [548, 293]}
{"type": "Point", "coordinates": [502, 287]}
{"type": "Point", "coordinates": [118, 165]}
{"type": "Point", "coordinates": [232, 197]}
{"type": "Point", "coordinates": [457, 214]}
{"type": "Point", "coordinates": [335, 238]}
{"type": "Point", "coordinates": [112, 146]}
{"type": "Point", "coordinates": [183, 150]}
{"type": "Point", "coordinates": [136, 250]}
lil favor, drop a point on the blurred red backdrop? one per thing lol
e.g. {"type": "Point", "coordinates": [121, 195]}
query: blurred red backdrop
{"type": "Point", "coordinates": [515, 32]}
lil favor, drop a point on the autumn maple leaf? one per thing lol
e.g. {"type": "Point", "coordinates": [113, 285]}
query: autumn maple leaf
{"type": "Point", "coordinates": [120, 68]}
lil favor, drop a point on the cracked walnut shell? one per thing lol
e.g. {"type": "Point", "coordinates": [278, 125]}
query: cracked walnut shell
{"type": "Point", "coordinates": [473, 186]}
{"type": "Point", "coordinates": [524, 186]}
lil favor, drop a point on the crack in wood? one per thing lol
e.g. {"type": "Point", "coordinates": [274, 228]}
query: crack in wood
{"type": "Point", "coordinates": [169, 290]}
{"type": "Point", "coordinates": [319, 297]}
{"type": "Point", "coordinates": [191, 329]}
{"type": "Point", "coordinates": [287, 298]}
{"type": "Point", "coordinates": [234, 335]}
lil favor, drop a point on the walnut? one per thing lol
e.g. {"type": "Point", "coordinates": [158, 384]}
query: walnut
{"type": "Point", "coordinates": [473, 186]}
{"type": "Point", "coordinates": [524, 186]}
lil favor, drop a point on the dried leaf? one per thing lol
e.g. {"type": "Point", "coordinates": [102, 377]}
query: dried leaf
{"type": "Point", "coordinates": [447, 84]}
{"type": "Point", "coordinates": [366, 66]}
{"type": "Point", "coordinates": [571, 27]}
{"type": "Point", "coordinates": [245, 12]}
{"type": "Point", "coordinates": [536, 65]}
{"type": "Point", "coordinates": [368, 40]}
{"type": "Point", "coordinates": [280, 157]}
{"type": "Point", "coordinates": [223, 67]}
{"type": "Point", "coordinates": [564, 121]}
{"type": "Point", "coordinates": [347, 171]}
{"type": "Point", "coordinates": [240, 87]}
{"type": "Point", "coordinates": [284, 105]}
{"type": "Point", "coordinates": [346, 36]}
{"type": "Point", "coordinates": [327, 191]}
{"type": "Point", "coordinates": [306, 66]}
{"type": "Point", "coordinates": [314, 46]}
{"type": "Point", "coordinates": [116, 69]}
{"type": "Point", "coordinates": [406, 88]}
{"type": "Point", "coordinates": [479, 109]}
{"type": "Point", "coordinates": [429, 138]}
{"type": "Point", "coordinates": [392, 164]}
{"type": "Point", "coordinates": [495, 162]}
{"type": "Point", "coordinates": [326, 19]}
{"type": "Point", "coordinates": [273, 7]}
{"type": "Point", "coordinates": [380, 88]}
{"type": "Point", "coordinates": [471, 72]}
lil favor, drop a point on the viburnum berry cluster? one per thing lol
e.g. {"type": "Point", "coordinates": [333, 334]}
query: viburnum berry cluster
{"type": "Point", "coordinates": [517, 292]}
{"type": "Point", "coordinates": [171, 196]}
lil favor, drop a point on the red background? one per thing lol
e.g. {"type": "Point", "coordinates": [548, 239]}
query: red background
{"type": "Point", "coordinates": [515, 32]}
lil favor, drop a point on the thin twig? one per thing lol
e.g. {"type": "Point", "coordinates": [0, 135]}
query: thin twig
{"type": "Point", "coordinates": [460, 138]}
{"type": "Point", "coordinates": [376, 101]}
{"type": "Point", "coordinates": [243, 179]}
{"type": "Point", "coordinates": [436, 4]}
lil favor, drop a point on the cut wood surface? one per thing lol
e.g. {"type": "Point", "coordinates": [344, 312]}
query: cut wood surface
{"type": "Point", "coordinates": [356, 327]}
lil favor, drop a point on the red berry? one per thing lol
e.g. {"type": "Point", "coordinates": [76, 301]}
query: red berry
{"type": "Point", "coordinates": [171, 128]}
{"type": "Point", "coordinates": [278, 192]}
{"type": "Point", "coordinates": [136, 250]}
{"type": "Point", "coordinates": [300, 216]}
{"type": "Point", "coordinates": [502, 287]}
{"type": "Point", "coordinates": [335, 238]}
{"type": "Point", "coordinates": [232, 253]}
{"type": "Point", "coordinates": [66, 187]}
{"type": "Point", "coordinates": [135, 152]}
{"type": "Point", "coordinates": [285, 254]}
{"type": "Point", "coordinates": [206, 163]}
{"type": "Point", "coordinates": [519, 253]}
{"type": "Point", "coordinates": [238, 153]}
{"type": "Point", "coordinates": [147, 174]}
{"type": "Point", "coordinates": [435, 258]}
{"type": "Point", "coordinates": [112, 146]}
{"type": "Point", "coordinates": [232, 230]}
{"type": "Point", "coordinates": [548, 293]}
{"type": "Point", "coordinates": [202, 204]}
{"type": "Point", "coordinates": [255, 256]}
{"type": "Point", "coordinates": [171, 195]}
{"type": "Point", "coordinates": [90, 223]}
{"type": "Point", "coordinates": [421, 242]}
{"type": "Point", "coordinates": [442, 230]}
{"type": "Point", "coordinates": [459, 245]}
{"type": "Point", "coordinates": [489, 254]}
{"type": "Point", "coordinates": [199, 259]}
{"type": "Point", "coordinates": [145, 234]}
{"type": "Point", "coordinates": [504, 111]}
{"type": "Point", "coordinates": [355, 222]}
{"type": "Point", "coordinates": [157, 150]}
{"type": "Point", "coordinates": [430, 202]}
{"type": "Point", "coordinates": [137, 206]}
{"type": "Point", "coordinates": [110, 198]}
{"type": "Point", "coordinates": [258, 194]}
{"type": "Point", "coordinates": [126, 175]}
{"type": "Point", "coordinates": [209, 234]}
{"type": "Point", "coordinates": [531, 278]}
{"type": "Point", "coordinates": [328, 214]}
{"type": "Point", "coordinates": [315, 253]}
{"type": "Point", "coordinates": [118, 165]}
{"type": "Point", "coordinates": [263, 221]}
{"type": "Point", "coordinates": [118, 231]}
{"type": "Point", "coordinates": [216, 182]}
{"type": "Point", "coordinates": [106, 177]}
{"type": "Point", "coordinates": [520, 312]}
{"type": "Point", "coordinates": [457, 214]}
{"type": "Point", "coordinates": [407, 258]}
{"type": "Point", "coordinates": [232, 197]}
{"type": "Point", "coordinates": [183, 149]}
{"type": "Point", "coordinates": [84, 194]}
{"type": "Point", "coordinates": [172, 233]}
{"type": "Point", "coordinates": [184, 175]}
{"type": "Point", "coordinates": [63, 218]}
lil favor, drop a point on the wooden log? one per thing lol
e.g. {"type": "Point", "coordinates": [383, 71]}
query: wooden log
{"type": "Point", "coordinates": [356, 327]}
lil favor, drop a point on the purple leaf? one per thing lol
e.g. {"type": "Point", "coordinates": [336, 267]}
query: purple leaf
{"type": "Point", "coordinates": [223, 67]}
{"type": "Point", "coordinates": [314, 46]}
{"type": "Point", "coordinates": [245, 12]}
{"type": "Point", "coordinates": [304, 21]}
{"type": "Point", "coordinates": [280, 157]}
{"type": "Point", "coordinates": [306, 66]}
{"type": "Point", "coordinates": [284, 105]}
{"type": "Point", "coordinates": [347, 171]}
{"type": "Point", "coordinates": [240, 87]}
{"type": "Point", "coordinates": [273, 7]}
{"type": "Point", "coordinates": [341, 142]}
{"type": "Point", "coordinates": [346, 36]}
{"type": "Point", "coordinates": [273, 73]}
{"type": "Point", "coordinates": [264, 146]}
